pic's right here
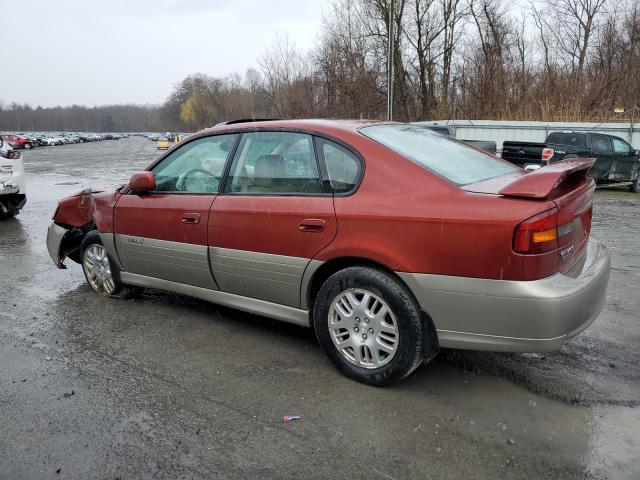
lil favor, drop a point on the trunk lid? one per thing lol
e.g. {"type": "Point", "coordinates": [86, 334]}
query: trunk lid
{"type": "Point", "coordinates": [567, 185]}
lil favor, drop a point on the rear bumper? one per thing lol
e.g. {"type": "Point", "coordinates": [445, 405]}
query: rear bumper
{"type": "Point", "coordinates": [514, 316]}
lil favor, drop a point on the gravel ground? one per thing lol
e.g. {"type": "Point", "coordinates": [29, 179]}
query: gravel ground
{"type": "Point", "coordinates": [164, 386]}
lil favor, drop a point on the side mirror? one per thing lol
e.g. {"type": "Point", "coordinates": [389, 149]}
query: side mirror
{"type": "Point", "coordinates": [142, 182]}
{"type": "Point", "coordinates": [636, 153]}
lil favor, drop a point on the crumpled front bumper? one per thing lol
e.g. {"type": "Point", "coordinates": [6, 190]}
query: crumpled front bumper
{"type": "Point", "coordinates": [55, 237]}
{"type": "Point", "coordinates": [515, 316]}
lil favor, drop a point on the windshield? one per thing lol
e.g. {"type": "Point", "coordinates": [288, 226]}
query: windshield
{"type": "Point", "coordinates": [445, 156]}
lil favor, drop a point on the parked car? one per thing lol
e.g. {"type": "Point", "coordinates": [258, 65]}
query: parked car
{"type": "Point", "coordinates": [163, 143]}
{"type": "Point", "coordinates": [45, 140]}
{"type": "Point", "coordinates": [17, 141]}
{"type": "Point", "coordinates": [12, 181]}
{"type": "Point", "coordinates": [486, 145]}
{"type": "Point", "coordinates": [617, 162]}
{"type": "Point", "coordinates": [390, 240]}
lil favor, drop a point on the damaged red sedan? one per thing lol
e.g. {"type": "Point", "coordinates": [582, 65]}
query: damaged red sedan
{"type": "Point", "coordinates": [390, 240]}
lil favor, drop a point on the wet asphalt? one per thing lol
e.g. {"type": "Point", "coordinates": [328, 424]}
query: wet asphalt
{"type": "Point", "coordinates": [165, 386]}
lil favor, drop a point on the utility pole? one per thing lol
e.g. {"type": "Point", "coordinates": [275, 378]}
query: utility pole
{"type": "Point", "coordinates": [390, 64]}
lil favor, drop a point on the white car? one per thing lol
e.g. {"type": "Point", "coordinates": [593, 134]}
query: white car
{"type": "Point", "coordinates": [12, 182]}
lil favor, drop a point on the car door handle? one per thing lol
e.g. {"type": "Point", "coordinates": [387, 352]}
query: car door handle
{"type": "Point", "coordinates": [191, 218]}
{"type": "Point", "coordinates": [312, 225]}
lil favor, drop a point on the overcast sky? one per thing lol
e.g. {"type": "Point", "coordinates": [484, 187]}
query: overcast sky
{"type": "Point", "coordinates": [92, 52]}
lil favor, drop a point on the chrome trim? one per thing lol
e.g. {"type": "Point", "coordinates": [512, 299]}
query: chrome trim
{"type": "Point", "coordinates": [265, 276]}
{"type": "Point", "coordinates": [251, 305]}
{"type": "Point", "coordinates": [174, 261]}
{"type": "Point", "coordinates": [55, 235]}
{"type": "Point", "coordinates": [109, 242]}
{"type": "Point", "coordinates": [521, 316]}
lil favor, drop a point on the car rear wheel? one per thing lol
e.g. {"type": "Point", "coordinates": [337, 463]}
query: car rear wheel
{"type": "Point", "coordinates": [27, 146]}
{"type": "Point", "coordinates": [369, 325]}
{"type": "Point", "coordinates": [101, 272]}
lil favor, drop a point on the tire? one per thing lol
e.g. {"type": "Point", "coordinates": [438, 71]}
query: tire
{"type": "Point", "coordinates": [9, 214]}
{"type": "Point", "coordinates": [27, 146]}
{"type": "Point", "coordinates": [380, 348]}
{"type": "Point", "coordinates": [635, 186]}
{"type": "Point", "coordinates": [92, 251]}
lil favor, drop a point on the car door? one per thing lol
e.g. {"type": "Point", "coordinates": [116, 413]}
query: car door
{"type": "Point", "coordinates": [163, 233]}
{"type": "Point", "coordinates": [602, 150]}
{"type": "Point", "coordinates": [626, 159]}
{"type": "Point", "coordinates": [272, 219]}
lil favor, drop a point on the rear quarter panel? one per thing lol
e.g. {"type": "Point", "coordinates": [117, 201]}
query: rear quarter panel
{"type": "Point", "coordinates": [410, 220]}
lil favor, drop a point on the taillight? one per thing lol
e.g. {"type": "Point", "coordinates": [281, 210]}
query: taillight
{"type": "Point", "coordinates": [547, 153]}
{"type": "Point", "coordinates": [537, 234]}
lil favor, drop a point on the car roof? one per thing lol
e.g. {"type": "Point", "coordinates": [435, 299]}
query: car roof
{"type": "Point", "coordinates": [317, 125]}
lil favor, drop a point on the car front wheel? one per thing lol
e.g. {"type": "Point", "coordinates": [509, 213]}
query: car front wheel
{"type": "Point", "coordinates": [100, 271]}
{"type": "Point", "coordinates": [369, 325]}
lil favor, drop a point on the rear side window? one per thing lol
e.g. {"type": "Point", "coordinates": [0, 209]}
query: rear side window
{"type": "Point", "coordinates": [601, 145]}
{"type": "Point", "coordinates": [272, 163]}
{"type": "Point", "coordinates": [343, 168]}
{"type": "Point", "coordinates": [573, 139]}
{"type": "Point", "coordinates": [449, 158]}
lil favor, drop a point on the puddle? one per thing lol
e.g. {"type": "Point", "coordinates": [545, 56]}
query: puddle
{"type": "Point", "coordinates": [615, 443]}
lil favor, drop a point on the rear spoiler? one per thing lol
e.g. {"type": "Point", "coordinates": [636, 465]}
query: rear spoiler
{"type": "Point", "coordinates": [540, 183]}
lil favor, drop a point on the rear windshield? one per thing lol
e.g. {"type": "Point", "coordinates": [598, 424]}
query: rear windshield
{"type": "Point", "coordinates": [573, 139]}
{"type": "Point", "coordinates": [449, 158]}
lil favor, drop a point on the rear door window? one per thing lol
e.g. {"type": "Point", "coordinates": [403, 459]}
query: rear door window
{"type": "Point", "coordinates": [445, 156]}
{"type": "Point", "coordinates": [601, 145]}
{"type": "Point", "coordinates": [272, 163]}
{"type": "Point", "coordinates": [573, 139]}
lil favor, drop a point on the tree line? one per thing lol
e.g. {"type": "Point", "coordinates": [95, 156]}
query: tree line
{"type": "Point", "coordinates": [477, 59]}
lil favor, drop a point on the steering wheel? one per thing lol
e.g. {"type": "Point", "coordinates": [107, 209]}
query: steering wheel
{"type": "Point", "coordinates": [189, 173]}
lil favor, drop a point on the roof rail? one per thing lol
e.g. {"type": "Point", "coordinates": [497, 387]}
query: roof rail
{"type": "Point", "coordinates": [246, 120]}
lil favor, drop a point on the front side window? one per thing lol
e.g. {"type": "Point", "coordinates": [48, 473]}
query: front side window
{"type": "Point", "coordinates": [343, 168]}
{"type": "Point", "coordinates": [269, 163]}
{"type": "Point", "coordinates": [196, 167]}
{"type": "Point", "coordinates": [621, 147]}
{"type": "Point", "coordinates": [445, 156]}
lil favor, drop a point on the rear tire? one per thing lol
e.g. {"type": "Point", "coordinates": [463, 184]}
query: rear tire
{"type": "Point", "coordinates": [27, 146]}
{"type": "Point", "coordinates": [370, 326]}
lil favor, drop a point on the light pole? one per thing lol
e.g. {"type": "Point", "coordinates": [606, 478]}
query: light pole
{"type": "Point", "coordinates": [390, 64]}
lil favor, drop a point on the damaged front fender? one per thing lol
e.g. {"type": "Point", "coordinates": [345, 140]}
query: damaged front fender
{"type": "Point", "coordinates": [74, 217]}
{"type": "Point", "coordinates": [55, 236]}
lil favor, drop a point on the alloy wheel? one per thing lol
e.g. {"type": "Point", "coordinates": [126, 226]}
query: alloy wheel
{"type": "Point", "coordinates": [98, 269]}
{"type": "Point", "coordinates": [363, 328]}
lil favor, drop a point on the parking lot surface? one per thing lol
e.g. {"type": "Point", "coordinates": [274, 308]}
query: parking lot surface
{"type": "Point", "coordinates": [165, 386]}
